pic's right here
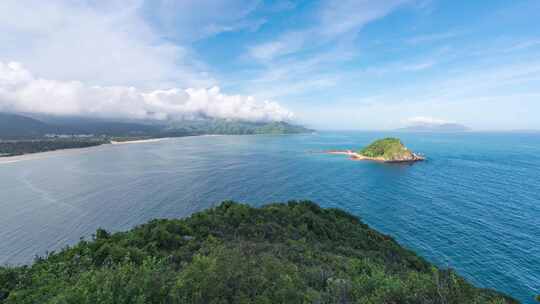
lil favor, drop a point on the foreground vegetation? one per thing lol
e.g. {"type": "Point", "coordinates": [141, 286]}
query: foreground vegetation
{"type": "Point", "coordinates": [280, 253]}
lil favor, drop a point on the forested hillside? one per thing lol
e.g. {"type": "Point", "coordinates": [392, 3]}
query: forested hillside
{"type": "Point", "coordinates": [279, 253]}
{"type": "Point", "coordinates": [16, 126]}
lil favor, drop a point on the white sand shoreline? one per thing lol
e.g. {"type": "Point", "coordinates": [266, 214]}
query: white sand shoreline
{"type": "Point", "coordinates": [356, 156]}
{"type": "Point", "coordinates": [139, 141]}
{"type": "Point", "coordinates": [39, 155]}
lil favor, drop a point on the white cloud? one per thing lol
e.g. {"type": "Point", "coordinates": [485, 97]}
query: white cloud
{"type": "Point", "coordinates": [288, 43]}
{"type": "Point", "coordinates": [268, 50]}
{"type": "Point", "coordinates": [189, 20]}
{"type": "Point", "coordinates": [340, 17]}
{"type": "Point", "coordinates": [427, 38]}
{"type": "Point", "coordinates": [20, 91]}
{"type": "Point", "coordinates": [335, 20]}
{"type": "Point", "coordinates": [305, 59]}
{"type": "Point", "coordinates": [418, 120]}
{"type": "Point", "coordinates": [523, 45]}
{"type": "Point", "coordinates": [281, 5]}
{"type": "Point", "coordinates": [402, 66]}
{"type": "Point", "coordinates": [99, 42]}
{"type": "Point", "coordinates": [483, 96]}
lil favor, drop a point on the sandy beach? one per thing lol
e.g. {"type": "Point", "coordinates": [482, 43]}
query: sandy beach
{"type": "Point", "coordinates": [139, 141]}
{"type": "Point", "coordinates": [356, 156]}
{"type": "Point", "coordinates": [39, 155]}
{"type": "Point", "coordinates": [8, 161]}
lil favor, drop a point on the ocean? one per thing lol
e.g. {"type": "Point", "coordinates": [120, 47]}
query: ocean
{"type": "Point", "coordinates": [473, 205]}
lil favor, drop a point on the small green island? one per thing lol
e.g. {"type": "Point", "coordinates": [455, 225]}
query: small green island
{"type": "Point", "coordinates": [387, 150]}
{"type": "Point", "coordinates": [295, 252]}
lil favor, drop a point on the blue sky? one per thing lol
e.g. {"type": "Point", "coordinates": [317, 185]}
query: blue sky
{"type": "Point", "coordinates": [334, 64]}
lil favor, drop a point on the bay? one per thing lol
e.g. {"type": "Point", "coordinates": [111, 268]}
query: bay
{"type": "Point", "coordinates": [474, 205]}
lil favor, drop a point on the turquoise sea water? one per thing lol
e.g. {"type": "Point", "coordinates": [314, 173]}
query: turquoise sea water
{"type": "Point", "coordinates": [474, 205]}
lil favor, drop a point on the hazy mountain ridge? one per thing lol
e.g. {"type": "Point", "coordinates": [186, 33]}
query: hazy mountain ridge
{"type": "Point", "coordinates": [14, 126]}
{"type": "Point", "coordinates": [435, 127]}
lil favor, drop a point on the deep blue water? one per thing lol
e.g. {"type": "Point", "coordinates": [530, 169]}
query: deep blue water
{"type": "Point", "coordinates": [473, 206]}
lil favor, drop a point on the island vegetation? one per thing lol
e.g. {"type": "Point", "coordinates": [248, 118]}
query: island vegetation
{"type": "Point", "coordinates": [389, 149]}
{"type": "Point", "coordinates": [279, 253]}
{"type": "Point", "coordinates": [384, 150]}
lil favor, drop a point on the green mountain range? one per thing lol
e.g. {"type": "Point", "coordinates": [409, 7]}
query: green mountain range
{"type": "Point", "coordinates": [14, 126]}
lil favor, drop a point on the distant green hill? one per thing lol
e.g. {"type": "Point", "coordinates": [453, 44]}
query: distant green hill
{"type": "Point", "coordinates": [228, 127]}
{"type": "Point", "coordinates": [281, 128]}
{"type": "Point", "coordinates": [280, 253]}
{"type": "Point", "coordinates": [13, 126]}
{"type": "Point", "coordinates": [437, 128]}
{"type": "Point", "coordinates": [388, 149]}
{"type": "Point", "coordinates": [20, 134]}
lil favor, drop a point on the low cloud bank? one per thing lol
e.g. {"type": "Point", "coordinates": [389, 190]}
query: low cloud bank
{"type": "Point", "coordinates": [421, 120]}
{"type": "Point", "coordinates": [20, 91]}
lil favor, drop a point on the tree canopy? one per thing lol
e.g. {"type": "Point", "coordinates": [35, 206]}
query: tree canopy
{"type": "Point", "coordinates": [279, 253]}
{"type": "Point", "coordinates": [387, 148]}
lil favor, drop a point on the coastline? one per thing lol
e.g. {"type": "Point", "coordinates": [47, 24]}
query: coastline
{"type": "Point", "coordinates": [138, 141]}
{"type": "Point", "coordinates": [4, 160]}
{"type": "Point", "coordinates": [356, 156]}
{"type": "Point", "coordinates": [39, 155]}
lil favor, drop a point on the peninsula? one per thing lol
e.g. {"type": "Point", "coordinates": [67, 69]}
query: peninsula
{"type": "Point", "coordinates": [387, 150]}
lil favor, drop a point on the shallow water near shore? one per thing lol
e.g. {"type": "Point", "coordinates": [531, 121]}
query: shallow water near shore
{"type": "Point", "coordinates": [473, 205]}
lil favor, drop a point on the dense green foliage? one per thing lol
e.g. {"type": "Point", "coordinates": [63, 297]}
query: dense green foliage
{"type": "Point", "coordinates": [280, 128]}
{"type": "Point", "coordinates": [387, 148]}
{"type": "Point", "coordinates": [280, 253]}
{"type": "Point", "coordinates": [221, 126]}
{"type": "Point", "coordinates": [19, 147]}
